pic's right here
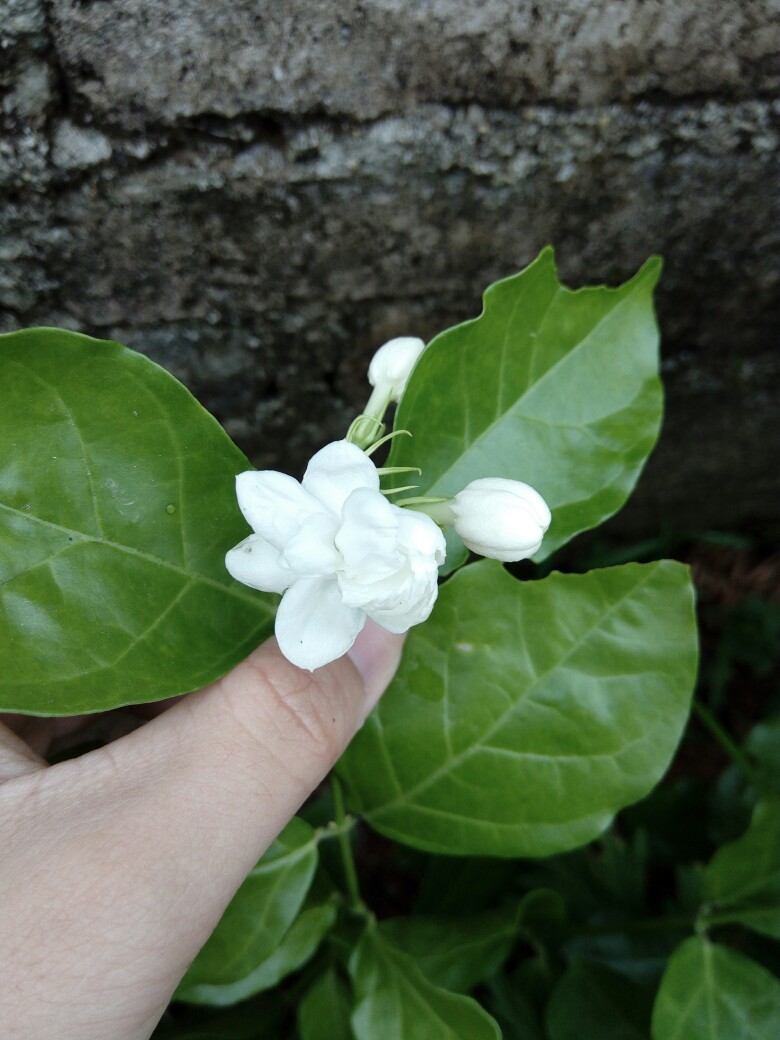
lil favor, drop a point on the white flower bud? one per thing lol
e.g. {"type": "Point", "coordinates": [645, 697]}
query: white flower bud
{"type": "Point", "coordinates": [501, 519]}
{"type": "Point", "coordinates": [392, 365]}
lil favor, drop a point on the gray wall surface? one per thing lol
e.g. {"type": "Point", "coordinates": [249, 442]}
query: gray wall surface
{"type": "Point", "coordinates": [257, 194]}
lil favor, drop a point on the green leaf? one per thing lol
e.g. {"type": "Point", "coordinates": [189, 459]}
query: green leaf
{"type": "Point", "coordinates": [525, 714]}
{"type": "Point", "coordinates": [295, 949]}
{"type": "Point", "coordinates": [323, 1013]}
{"type": "Point", "coordinates": [713, 993]}
{"type": "Point", "coordinates": [592, 1001]}
{"type": "Point", "coordinates": [605, 885]}
{"type": "Point", "coordinates": [396, 1002]}
{"type": "Point", "coordinates": [458, 953]}
{"type": "Point", "coordinates": [556, 388]}
{"type": "Point", "coordinates": [743, 878]}
{"type": "Point", "coordinates": [117, 506]}
{"type": "Point", "coordinates": [763, 745]}
{"type": "Point", "coordinates": [251, 944]}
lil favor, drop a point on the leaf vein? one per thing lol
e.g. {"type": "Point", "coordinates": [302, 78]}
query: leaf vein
{"type": "Point", "coordinates": [453, 763]}
{"type": "Point", "coordinates": [234, 591]}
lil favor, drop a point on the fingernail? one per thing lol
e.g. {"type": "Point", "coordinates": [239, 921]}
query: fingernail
{"type": "Point", "coordinates": [376, 654]}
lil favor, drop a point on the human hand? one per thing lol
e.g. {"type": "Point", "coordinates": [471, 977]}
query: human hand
{"type": "Point", "coordinates": [116, 866]}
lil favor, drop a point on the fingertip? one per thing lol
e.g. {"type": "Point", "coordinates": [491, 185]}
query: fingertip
{"type": "Point", "coordinates": [376, 653]}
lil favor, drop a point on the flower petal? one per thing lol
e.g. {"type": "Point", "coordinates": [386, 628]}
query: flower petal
{"type": "Point", "coordinates": [256, 563]}
{"type": "Point", "coordinates": [369, 533]}
{"type": "Point", "coordinates": [274, 504]}
{"type": "Point", "coordinates": [421, 535]}
{"type": "Point", "coordinates": [392, 364]}
{"type": "Point", "coordinates": [336, 471]}
{"type": "Point", "coordinates": [313, 627]}
{"type": "Point", "coordinates": [312, 550]}
{"type": "Point", "coordinates": [400, 613]}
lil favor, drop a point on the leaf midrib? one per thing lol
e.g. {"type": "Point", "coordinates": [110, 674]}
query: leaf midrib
{"type": "Point", "coordinates": [564, 359]}
{"type": "Point", "coordinates": [478, 744]}
{"type": "Point", "coordinates": [129, 550]}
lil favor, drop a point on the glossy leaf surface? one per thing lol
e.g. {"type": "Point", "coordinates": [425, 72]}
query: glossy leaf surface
{"type": "Point", "coordinates": [251, 947]}
{"type": "Point", "coordinates": [396, 1002]}
{"type": "Point", "coordinates": [525, 714]}
{"type": "Point", "coordinates": [711, 992]}
{"type": "Point", "coordinates": [556, 388]}
{"type": "Point", "coordinates": [743, 877]}
{"type": "Point", "coordinates": [117, 506]}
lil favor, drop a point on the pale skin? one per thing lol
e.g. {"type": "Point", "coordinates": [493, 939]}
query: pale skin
{"type": "Point", "coordinates": [116, 866]}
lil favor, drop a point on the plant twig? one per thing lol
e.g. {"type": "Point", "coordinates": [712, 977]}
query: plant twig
{"type": "Point", "coordinates": [347, 859]}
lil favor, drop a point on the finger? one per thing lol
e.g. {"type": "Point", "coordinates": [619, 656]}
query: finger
{"type": "Point", "coordinates": [40, 732]}
{"type": "Point", "coordinates": [173, 816]}
{"type": "Point", "coordinates": [17, 758]}
{"type": "Point", "coordinates": [54, 737]}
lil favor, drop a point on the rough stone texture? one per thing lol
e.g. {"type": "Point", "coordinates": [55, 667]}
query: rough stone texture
{"type": "Point", "coordinates": [257, 194]}
{"type": "Point", "coordinates": [139, 61]}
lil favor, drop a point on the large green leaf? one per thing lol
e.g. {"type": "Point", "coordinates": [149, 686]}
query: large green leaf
{"type": "Point", "coordinates": [590, 1001]}
{"type": "Point", "coordinates": [743, 877]}
{"type": "Point", "coordinates": [117, 505]}
{"type": "Point", "coordinates": [396, 1002]}
{"type": "Point", "coordinates": [250, 950]}
{"type": "Point", "coordinates": [556, 388]}
{"type": "Point", "coordinates": [525, 714]}
{"type": "Point", "coordinates": [710, 992]}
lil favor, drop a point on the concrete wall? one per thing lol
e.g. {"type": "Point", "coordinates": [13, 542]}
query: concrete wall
{"type": "Point", "coordinates": [258, 193]}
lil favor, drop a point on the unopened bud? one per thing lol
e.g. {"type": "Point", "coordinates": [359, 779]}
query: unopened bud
{"type": "Point", "coordinates": [392, 365]}
{"type": "Point", "coordinates": [502, 519]}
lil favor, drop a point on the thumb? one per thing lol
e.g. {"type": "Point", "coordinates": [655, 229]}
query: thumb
{"type": "Point", "coordinates": [165, 823]}
{"type": "Point", "coordinates": [248, 750]}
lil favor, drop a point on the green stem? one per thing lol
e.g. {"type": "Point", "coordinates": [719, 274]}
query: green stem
{"type": "Point", "coordinates": [345, 845]}
{"type": "Point", "coordinates": [438, 509]}
{"type": "Point", "coordinates": [737, 755]}
{"type": "Point", "coordinates": [335, 830]}
{"type": "Point", "coordinates": [369, 427]}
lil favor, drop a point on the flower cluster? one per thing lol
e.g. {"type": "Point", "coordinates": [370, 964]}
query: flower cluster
{"type": "Point", "coordinates": [339, 552]}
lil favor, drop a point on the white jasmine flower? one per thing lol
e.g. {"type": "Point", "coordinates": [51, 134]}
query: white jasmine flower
{"type": "Point", "coordinates": [392, 365]}
{"type": "Point", "coordinates": [338, 551]}
{"type": "Point", "coordinates": [502, 519]}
